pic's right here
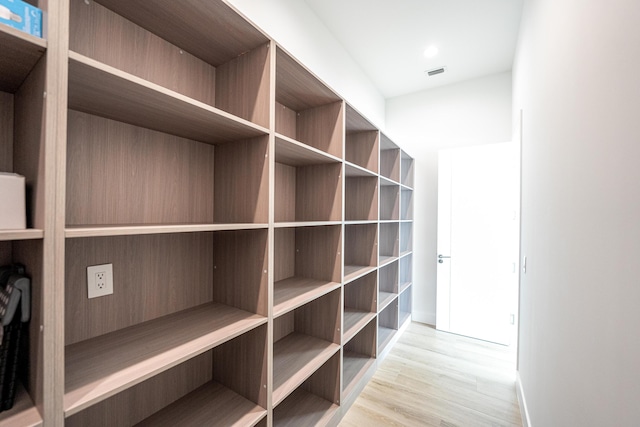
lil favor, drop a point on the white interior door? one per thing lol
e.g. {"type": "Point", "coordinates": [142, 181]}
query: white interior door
{"type": "Point", "coordinates": [478, 193]}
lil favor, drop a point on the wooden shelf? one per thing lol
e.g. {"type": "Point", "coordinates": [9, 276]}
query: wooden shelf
{"type": "Point", "coordinates": [305, 224]}
{"type": "Point", "coordinates": [136, 230]}
{"type": "Point", "coordinates": [28, 234]}
{"type": "Point", "coordinates": [385, 335]}
{"type": "Point", "coordinates": [293, 153]}
{"type": "Point", "coordinates": [384, 299]}
{"type": "Point", "coordinates": [101, 367]}
{"type": "Point", "coordinates": [23, 413]}
{"type": "Point", "coordinates": [20, 53]}
{"type": "Point", "coordinates": [213, 405]}
{"type": "Point", "coordinates": [297, 88]}
{"type": "Point", "coordinates": [352, 272]}
{"type": "Point", "coordinates": [295, 358]}
{"type": "Point", "coordinates": [304, 409]}
{"type": "Point", "coordinates": [105, 91]}
{"type": "Point", "coordinates": [212, 31]}
{"type": "Point", "coordinates": [294, 292]}
{"type": "Point", "coordinates": [403, 287]}
{"type": "Point", "coordinates": [354, 321]}
{"type": "Point", "coordinates": [406, 169]}
{"type": "Point", "coordinates": [354, 366]}
{"type": "Point", "coordinates": [406, 204]}
{"type": "Point", "coordinates": [404, 316]}
{"type": "Point", "coordinates": [384, 260]}
{"type": "Point", "coordinates": [354, 170]}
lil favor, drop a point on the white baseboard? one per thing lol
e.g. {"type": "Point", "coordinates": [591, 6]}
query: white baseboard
{"type": "Point", "coordinates": [423, 317]}
{"type": "Point", "coordinates": [524, 412]}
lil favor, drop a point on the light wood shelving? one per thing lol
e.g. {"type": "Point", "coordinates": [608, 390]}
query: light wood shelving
{"type": "Point", "coordinates": [302, 343]}
{"type": "Point", "coordinates": [389, 200]}
{"type": "Point", "coordinates": [360, 305]}
{"type": "Point", "coordinates": [389, 159]}
{"type": "Point", "coordinates": [406, 270]}
{"type": "Point", "coordinates": [358, 355]}
{"type": "Point", "coordinates": [27, 138]}
{"type": "Point", "coordinates": [360, 250]}
{"type": "Point", "coordinates": [404, 305]}
{"type": "Point", "coordinates": [388, 284]}
{"type": "Point", "coordinates": [406, 238]}
{"type": "Point", "coordinates": [388, 322]}
{"type": "Point", "coordinates": [315, 401]}
{"type": "Point", "coordinates": [361, 141]}
{"type": "Point", "coordinates": [389, 242]}
{"type": "Point", "coordinates": [259, 227]}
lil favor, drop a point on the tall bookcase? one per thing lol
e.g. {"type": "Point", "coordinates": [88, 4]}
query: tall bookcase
{"type": "Point", "coordinates": [259, 227]}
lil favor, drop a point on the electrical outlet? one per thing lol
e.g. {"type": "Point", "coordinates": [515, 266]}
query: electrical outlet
{"type": "Point", "coordinates": [100, 280]}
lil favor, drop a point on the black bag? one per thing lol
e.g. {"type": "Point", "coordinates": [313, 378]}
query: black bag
{"type": "Point", "coordinates": [15, 311]}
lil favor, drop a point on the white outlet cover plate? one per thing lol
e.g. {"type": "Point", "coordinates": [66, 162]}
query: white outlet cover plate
{"type": "Point", "coordinates": [92, 286]}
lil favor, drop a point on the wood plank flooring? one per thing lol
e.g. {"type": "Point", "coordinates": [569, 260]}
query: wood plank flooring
{"type": "Point", "coordinates": [432, 378]}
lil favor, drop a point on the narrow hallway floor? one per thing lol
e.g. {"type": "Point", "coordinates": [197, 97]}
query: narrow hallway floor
{"type": "Point", "coordinates": [433, 378]}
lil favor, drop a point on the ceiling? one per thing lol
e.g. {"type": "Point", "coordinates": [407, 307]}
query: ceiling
{"type": "Point", "coordinates": [387, 38]}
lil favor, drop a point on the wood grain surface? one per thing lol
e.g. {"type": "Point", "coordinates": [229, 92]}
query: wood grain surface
{"type": "Point", "coordinates": [210, 30]}
{"type": "Point", "coordinates": [361, 198]}
{"type": "Point", "coordinates": [20, 52]}
{"type": "Point", "coordinates": [435, 379]}
{"type": "Point", "coordinates": [361, 148]}
{"type": "Point", "coordinates": [389, 202]}
{"type": "Point", "coordinates": [101, 367]}
{"type": "Point", "coordinates": [360, 244]}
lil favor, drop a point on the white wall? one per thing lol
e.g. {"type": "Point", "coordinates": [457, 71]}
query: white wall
{"type": "Point", "coordinates": [469, 113]}
{"type": "Point", "coordinates": [299, 31]}
{"type": "Point", "coordinates": [577, 80]}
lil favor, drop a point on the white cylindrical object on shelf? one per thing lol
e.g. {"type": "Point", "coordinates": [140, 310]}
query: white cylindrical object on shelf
{"type": "Point", "coordinates": [12, 202]}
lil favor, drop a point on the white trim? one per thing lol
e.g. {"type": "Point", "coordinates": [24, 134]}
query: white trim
{"type": "Point", "coordinates": [423, 317]}
{"type": "Point", "coordinates": [524, 412]}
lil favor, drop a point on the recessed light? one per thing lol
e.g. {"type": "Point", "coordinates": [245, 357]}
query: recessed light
{"type": "Point", "coordinates": [431, 51]}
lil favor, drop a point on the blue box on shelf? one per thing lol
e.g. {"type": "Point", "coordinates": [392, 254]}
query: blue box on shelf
{"type": "Point", "coordinates": [22, 16]}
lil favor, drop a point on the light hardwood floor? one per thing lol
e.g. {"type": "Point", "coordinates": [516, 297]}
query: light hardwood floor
{"type": "Point", "coordinates": [432, 378]}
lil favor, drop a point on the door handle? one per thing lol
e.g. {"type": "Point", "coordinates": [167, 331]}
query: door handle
{"type": "Point", "coordinates": [441, 258]}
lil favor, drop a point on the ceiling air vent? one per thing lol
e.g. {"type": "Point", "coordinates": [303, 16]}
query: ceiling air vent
{"type": "Point", "coordinates": [435, 71]}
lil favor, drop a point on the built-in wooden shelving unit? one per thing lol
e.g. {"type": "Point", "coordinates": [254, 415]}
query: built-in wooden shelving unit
{"type": "Point", "coordinates": [259, 227]}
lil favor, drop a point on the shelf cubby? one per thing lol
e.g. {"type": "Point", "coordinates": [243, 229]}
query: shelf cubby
{"type": "Point", "coordinates": [360, 305]}
{"type": "Point", "coordinates": [406, 204]}
{"type": "Point", "coordinates": [360, 250]}
{"type": "Point", "coordinates": [308, 184]}
{"type": "Point", "coordinates": [160, 178]}
{"type": "Point", "coordinates": [361, 142]}
{"type": "Point", "coordinates": [387, 324]}
{"type": "Point", "coordinates": [387, 284]}
{"type": "Point", "coordinates": [358, 356]}
{"type": "Point", "coordinates": [20, 54]}
{"type": "Point", "coordinates": [404, 305]}
{"type": "Point", "coordinates": [306, 265]}
{"type": "Point", "coordinates": [406, 272]}
{"type": "Point", "coordinates": [361, 195]}
{"type": "Point", "coordinates": [304, 339]}
{"type": "Point", "coordinates": [406, 238]}
{"type": "Point", "coordinates": [223, 386]}
{"type": "Point", "coordinates": [175, 296]}
{"type": "Point", "coordinates": [389, 242]}
{"type": "Point", "coordinates": [389, 159]}
{"type": "Point", "coordinates": [406, 170]}
{"type": "Point", "coordinates": [307, 110]}
{"type": "Point", "coordinates": [221, 60]}
{"type": "Point", "coordinates": [29, 382]}
{"type": "Point", "coordinates": [315, 401]}
{"type": "Point", "coordinates": [389, 200]}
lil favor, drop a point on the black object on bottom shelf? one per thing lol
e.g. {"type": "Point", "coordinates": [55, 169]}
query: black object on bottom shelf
{"type": "Point", "coordinates": [14, 313]}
